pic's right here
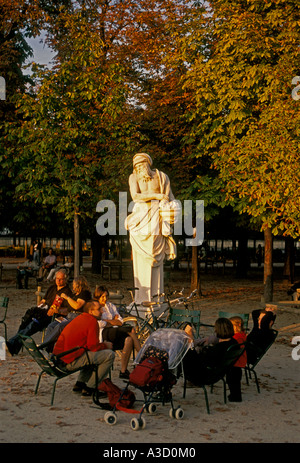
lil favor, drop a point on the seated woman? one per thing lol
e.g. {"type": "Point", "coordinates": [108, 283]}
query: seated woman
{"type": "Point", "coordinates": [235, 376]}
{"type": "Point", "coordinates": [81, 294]}
{"type": "Point", "coordinates": [195, 363]}
{"type": "Point", "coordinates": [123, 337]}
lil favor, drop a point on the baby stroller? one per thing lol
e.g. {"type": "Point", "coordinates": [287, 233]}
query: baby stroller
{"type": "Point", "coordinates": [162, 352]}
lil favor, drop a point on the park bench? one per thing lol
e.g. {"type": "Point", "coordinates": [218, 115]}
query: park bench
{"type": "Point", "coordinates": [111, 268]}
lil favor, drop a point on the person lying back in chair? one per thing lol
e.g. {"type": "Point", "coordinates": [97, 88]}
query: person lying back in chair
{"type": "Point", "coordinates": [261, 335]}
{"type": "Point", "coordinates": [195, 363]}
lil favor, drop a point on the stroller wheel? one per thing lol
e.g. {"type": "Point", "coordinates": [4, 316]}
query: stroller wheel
{"type": "Point", "coordinates": [151, 408]}
{"type": "Point", "coordinates": [172, 412]}
{"type": "Point", "coordinates": [138, 423]}
{"type": "Point", "coordinates": [177, 413]}
{"type": "Point", "coordinates": [110, 418]}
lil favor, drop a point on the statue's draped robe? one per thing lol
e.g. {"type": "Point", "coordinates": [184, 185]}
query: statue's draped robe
{"type": "Point", "coordinates": [150, 230]}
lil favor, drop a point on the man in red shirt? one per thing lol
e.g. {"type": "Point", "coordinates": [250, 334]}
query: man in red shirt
{"type": "Point", "coordinates": [83, 331]}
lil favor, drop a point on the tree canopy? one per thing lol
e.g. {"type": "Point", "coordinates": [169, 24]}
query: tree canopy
{"type": "Point", "coordinates": [241, 59]}
{"type": "Point", "coordinates": [204, 87]}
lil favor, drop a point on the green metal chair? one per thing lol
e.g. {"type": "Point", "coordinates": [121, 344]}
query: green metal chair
{"type": "Point", "coordinates": [3, 311]}
{"type": "Point", "coordinates": [215, 373]}
{"type": "Point", "coordinates": [180, 317]}
{"type": "Point", "coordinates": [52, 367]}
{"type": "Point", "coordinates": [243, 316]}
{"type": "Point", "coordinates": [254, 352]}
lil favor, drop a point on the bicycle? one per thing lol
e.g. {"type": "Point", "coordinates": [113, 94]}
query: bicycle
{"type": "Point", "coordinates": [145, 326]}
{"type": "Point", "coordinates": [131, 315]}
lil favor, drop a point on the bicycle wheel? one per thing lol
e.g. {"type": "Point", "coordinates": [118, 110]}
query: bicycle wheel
{"type": "Point", "coordinates": [142, 327]}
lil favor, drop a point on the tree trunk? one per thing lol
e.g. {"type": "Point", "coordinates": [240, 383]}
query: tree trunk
{"type": "Point", "coordinates": [289, 259]}
{"type": "Point", "coordinates": [195, 274]}
{"type": "Point", "coordinates": [242, 256]}
{"type": "Point", "coordinates": [25, 249]}
{"type": "Point", "coordinates": [268, 266]}
{"type": "Point", "coordinates": [76, 246]}
{"type": "Point", "coordinates": [98, 251]}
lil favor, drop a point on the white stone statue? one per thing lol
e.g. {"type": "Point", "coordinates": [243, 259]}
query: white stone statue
{"type": "Point", "coordinates": [149, 224]}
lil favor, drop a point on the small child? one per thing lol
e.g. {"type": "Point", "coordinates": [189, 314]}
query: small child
{"type": "Point", "coordinates": [235, 375]}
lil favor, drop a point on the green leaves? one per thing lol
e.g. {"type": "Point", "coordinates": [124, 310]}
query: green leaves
{"type": "Point", "coordinates": [241, 110]}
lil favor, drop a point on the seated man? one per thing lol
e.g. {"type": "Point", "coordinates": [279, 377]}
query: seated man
{"type": "Point", "coordinates": [83, 331]}
{"type": "Point", "coordinates": [38, 318]}
{"type": "Point", "coordinates": [294, 291]}
{"type": "Point", "coordinates": [26, 270]}
{"type": "Point", "coordinates": [48, 264]}
{"type": "Point", "coordinates": [68, 266]}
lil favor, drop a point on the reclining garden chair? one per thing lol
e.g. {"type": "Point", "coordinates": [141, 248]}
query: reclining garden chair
{"type": "Point", "coordinates": [217, 373]}
{"type": "Point", "coordinates": [180, 317]}
{"type": "Point", "coordinates": [253, 351]}
{"type": "Point", "coordinates": [3, 311]}
{"type": "Point", "coordinates": [52, 367]}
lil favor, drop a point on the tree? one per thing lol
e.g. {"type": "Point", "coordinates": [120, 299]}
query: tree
{"type": "Point", "coordinates": [242, 58]}
{"type": "Point", "coordinates": [69, 121]}
{"type": "Point", "coordinates": [79, 126]}
{"type": "Point", "coordinates": [13, 53]}
{"type": "Point", "coordinates": [20, 19]}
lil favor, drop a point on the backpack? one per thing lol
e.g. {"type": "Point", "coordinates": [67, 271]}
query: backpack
{"type": "Point", "coordinates": [114, 394]}
{"type": "Point", "coordinates": [148, 372]}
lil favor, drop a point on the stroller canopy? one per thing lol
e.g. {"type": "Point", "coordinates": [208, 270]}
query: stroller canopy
{"type": "Point", "coordinates": [175, 342]}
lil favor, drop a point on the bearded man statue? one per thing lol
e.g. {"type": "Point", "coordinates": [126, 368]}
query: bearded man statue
{"type": "Point", "coordinates": [155, 210]}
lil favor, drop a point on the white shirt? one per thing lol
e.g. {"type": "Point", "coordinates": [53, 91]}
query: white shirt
{"type": "Point", "coordinates": [109, 313]}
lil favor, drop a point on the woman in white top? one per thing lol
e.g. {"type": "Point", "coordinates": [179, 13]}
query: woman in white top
{"type": "Point", "coordinates": [112, 329]}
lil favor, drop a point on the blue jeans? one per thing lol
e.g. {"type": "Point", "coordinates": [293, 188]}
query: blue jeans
{"type": "Point", "coordinates": [14, 344]}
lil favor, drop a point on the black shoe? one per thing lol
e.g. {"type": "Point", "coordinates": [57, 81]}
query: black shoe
{"type": "Point", "coordinates": [124, 375]}
{"type": "Point", "coordinates": [79, 386]}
